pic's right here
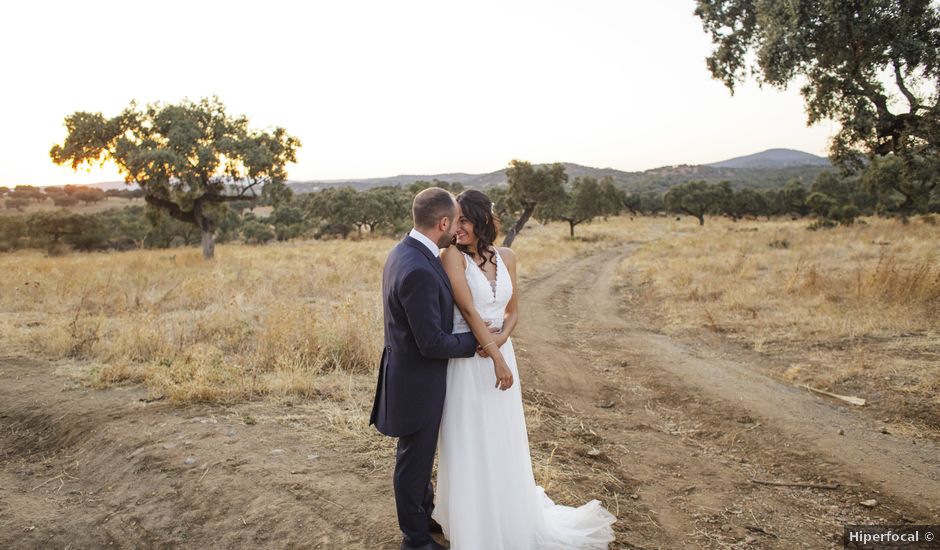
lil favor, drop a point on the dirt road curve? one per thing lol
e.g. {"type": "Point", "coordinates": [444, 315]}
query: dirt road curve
{"type": "Point", "coordinates": [730, 423]}
{"type": "Point", "coordinates": [668, 434]}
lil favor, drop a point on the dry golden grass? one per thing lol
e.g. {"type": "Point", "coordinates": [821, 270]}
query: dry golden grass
{"type": "Point", "coordinates": [844, 306]}
{"type": "Point", "coordinates": [258, 320]}
{"type": "Point", "coordinates": [300, 318]}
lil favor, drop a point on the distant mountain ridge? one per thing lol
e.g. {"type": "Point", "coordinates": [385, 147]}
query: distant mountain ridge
{"type": "Point", "coordinates": [770, 168]}
{"type": "Point", "coordinates": [773, 158]}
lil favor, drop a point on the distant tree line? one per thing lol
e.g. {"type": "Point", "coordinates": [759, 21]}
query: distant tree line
{"type": "Point", "coordinates": [835, 197]}
{"type": "Point", "coordinates": [331, 213]}
{"type": "Point", "coordinates": [539, 192]}
{"type": "Point", "coordinates": [22, 196]}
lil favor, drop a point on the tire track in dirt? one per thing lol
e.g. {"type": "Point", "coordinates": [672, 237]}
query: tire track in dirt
{"type": "Point", "coordinates": [716, 423]}
{"type": "Point", "coordinates": [84, 468]}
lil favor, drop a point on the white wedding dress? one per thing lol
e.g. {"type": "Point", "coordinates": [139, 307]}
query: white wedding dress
{"type": "Point", "coordinates": [486, 496]}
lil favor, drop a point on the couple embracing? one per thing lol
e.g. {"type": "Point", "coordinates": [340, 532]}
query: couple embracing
{"type": "Point", "coordinates": [450, 308]}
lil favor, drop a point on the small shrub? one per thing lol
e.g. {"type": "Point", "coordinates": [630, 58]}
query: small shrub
{"type": "Point", "coordinates": [56, 249]}
{"type": "Point", "coordinates": [821, 224]}
{"type": "Point", "coordinates": [256, 232]}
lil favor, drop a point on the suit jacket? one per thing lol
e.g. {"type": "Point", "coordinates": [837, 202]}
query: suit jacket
{"type": "Point", "coordinates": [419, 318]}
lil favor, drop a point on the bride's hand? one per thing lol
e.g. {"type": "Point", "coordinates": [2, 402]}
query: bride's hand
{"type": "Point", "coordinates": [503, 374]}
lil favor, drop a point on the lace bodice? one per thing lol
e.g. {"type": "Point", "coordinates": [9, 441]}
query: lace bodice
{"type": "Point", "coordinates": [489, 298]}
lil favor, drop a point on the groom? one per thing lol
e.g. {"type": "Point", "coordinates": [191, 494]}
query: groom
{"type": "Point", "coordinates": [419, 318]}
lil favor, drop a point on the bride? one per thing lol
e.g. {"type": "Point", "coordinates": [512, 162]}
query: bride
{"type": "Point", "coordinates": [487, 498]}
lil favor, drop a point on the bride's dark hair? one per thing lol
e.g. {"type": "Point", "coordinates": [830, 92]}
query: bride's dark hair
{"type": "Point", "coordinates": [478, 208]}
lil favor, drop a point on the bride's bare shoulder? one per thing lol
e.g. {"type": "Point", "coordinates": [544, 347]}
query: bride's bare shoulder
{"type": "Point", "coordinates": [507, 254]}
{"type": "Point", "coordinates": [452, 256]}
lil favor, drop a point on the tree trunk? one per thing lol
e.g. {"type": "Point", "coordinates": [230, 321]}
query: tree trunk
{"type": "Point", "coordinates": [908, 206]}
{"type": "Point", "coordinates": [571, 227]}
{"type": "Point", "coordinates": [701, 219]}
{"type": "Point", "coordinates": [208, 243]}
{"type": "Point", "coordinates": [517, 227]}
{"type": "Point", "coordinates": [207, 227]}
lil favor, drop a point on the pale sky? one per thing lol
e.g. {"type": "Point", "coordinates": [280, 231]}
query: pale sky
{"type": "Point", "coordinates": [382, 88]}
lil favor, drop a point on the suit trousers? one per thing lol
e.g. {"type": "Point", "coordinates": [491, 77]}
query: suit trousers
{"type": "Point", "coordinates": [414, 495]}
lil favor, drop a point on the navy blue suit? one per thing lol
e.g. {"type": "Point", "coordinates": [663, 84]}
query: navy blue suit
{"type": "Point", "coordinates": [409, 395]}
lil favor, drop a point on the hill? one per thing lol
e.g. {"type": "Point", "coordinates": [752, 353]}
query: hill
{"type": "Point", "coordinates": [772, 168]}
{"type": "Point", "coordinates": [773, 158]}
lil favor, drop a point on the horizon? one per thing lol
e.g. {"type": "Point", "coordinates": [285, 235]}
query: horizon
{"type": "Point", "coordinates": [453, 172]}
{"type": "Point", "coordinates": [372, 89]}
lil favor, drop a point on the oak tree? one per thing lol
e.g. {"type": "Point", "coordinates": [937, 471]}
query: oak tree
{"type": "Point", "coordinates": [872, 66]}
{"type": "Point", "coordinates": [528, 187]}
{"type": "Point", "coordinates": [189, 158]}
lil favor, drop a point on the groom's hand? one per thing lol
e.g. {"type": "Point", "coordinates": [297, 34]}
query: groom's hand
{"type": "Point", "coordinates": [482, 352]}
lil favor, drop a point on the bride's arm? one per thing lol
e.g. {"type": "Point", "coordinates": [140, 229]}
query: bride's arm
{"type": "Point", "coordinates": [454, 266]}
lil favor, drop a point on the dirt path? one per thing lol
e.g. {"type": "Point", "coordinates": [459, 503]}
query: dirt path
{"type": "Point", "coordinates": [690, 426]}
{"type": "Point", "coordinates": [86, 469]}
{"type": "Point", "coordinates": [668, 434]}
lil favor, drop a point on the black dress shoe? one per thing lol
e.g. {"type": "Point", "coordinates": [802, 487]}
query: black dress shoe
{"type": "Point", "coordinates": [435, 527]}
{"type": "Point", "coordinates": [429, 546]}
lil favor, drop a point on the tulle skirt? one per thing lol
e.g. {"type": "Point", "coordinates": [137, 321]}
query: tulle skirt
{"type": "Point", "coordinates": [486, 497]}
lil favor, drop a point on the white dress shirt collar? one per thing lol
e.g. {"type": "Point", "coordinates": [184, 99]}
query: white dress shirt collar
{"type": "Point", "coordinates": [425, 241]}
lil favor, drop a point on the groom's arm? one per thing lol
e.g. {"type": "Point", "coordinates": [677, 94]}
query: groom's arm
{"type": "Point", "coordinates": [418, 296]}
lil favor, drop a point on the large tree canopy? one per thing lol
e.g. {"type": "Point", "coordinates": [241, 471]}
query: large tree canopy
{"type": "Point", "coordinates": [582, 202]}
{"type": "Point", "coordinates": [528, 187]}
{"type": "Point", "coordinates": [189, 158]}
{"type": "Point", "coordinates": [873, 66]}
{"type": "Point", "coordinates": [697, 198]}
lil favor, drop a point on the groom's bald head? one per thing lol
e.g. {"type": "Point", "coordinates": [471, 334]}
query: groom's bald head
{"type": "Point", "coordinates": [431, 205]}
